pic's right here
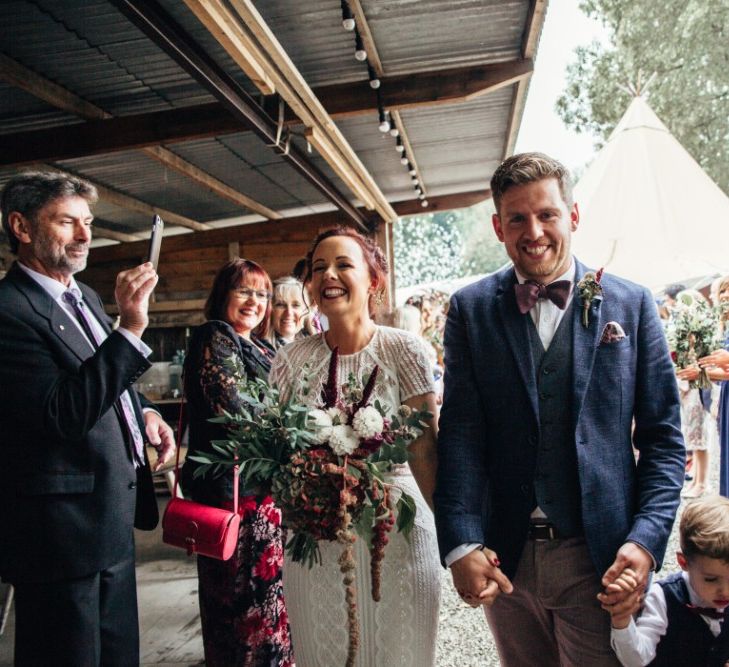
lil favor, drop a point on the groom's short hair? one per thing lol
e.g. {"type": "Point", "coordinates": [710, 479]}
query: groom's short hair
{"type": "Point", "coordinates": [526, 168]}
{"type": "Point", "coordinates": [704, 528]}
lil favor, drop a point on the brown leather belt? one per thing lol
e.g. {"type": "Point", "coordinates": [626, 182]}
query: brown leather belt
{"type": "Point", "coordinates": [543, 531]}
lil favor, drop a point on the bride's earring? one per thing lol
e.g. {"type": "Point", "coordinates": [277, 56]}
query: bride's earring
{"type": "Point", "coordinates": [379, 297]}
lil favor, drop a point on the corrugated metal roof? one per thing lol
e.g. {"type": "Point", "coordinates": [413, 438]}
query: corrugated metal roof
{"type": "Point", "coordinates": [434, 34]}
{"type": "Point", "coordinates": [91, 49]}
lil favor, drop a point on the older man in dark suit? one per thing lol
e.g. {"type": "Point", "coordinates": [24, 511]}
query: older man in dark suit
{"type": "Point", "coordinates": [553, 374]}
{"type": "Point", "coordinates": [74, 478]}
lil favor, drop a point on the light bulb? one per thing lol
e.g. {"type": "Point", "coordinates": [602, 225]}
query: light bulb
{"type": "Point", "coordinates": [412, 172]}
{"type": "Point", "coordinates": [424, 203]}
{"type": "Point", "coordinates": [399, 148]}
{"type": "Point", "coordinates": [384, 120]}
{"type": "Point", "coordinates": [403, 160]}
{"type": "Point", "coordinates": [347, 18]}
{"type": "Point", "coordinates": [359, 53]}
{"type": "Point", "coordinates": [394, 132]}
{"type": "Point", "coordinates": [374, 79]}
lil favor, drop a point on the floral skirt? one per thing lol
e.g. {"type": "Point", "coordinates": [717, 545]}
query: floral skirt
{"type": "Point", "coordinates": [242, 610]}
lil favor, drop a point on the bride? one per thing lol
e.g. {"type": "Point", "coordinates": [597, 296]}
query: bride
{"type": "Point", "coordinates": [345, 272]}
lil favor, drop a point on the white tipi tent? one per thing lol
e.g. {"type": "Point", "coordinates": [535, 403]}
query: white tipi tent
{"type": "Point", "coordinates": [648, 212]}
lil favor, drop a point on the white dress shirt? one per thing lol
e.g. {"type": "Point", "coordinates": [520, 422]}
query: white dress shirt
{"type": "Point", "coordinates": [56, 290]}
{"type": "Point", "coordinates": [636, 645]}
{"type": "Point", "coordinates": [546, 317]}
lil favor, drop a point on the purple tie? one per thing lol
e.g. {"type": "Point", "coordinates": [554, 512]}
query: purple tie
{"type": "Point", "coordinates": [125, 401]}
{"type": "Point", "coordinates": [529, 292]}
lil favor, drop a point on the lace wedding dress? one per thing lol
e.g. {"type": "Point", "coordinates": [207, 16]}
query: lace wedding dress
{"type": "Point", "coordinates": [400, 630]}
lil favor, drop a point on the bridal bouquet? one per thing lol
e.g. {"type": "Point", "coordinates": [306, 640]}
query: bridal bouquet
{"type": "Point", "coordinates": [692, 333]}
{"type": "Point", "coordinates": [325, 469]}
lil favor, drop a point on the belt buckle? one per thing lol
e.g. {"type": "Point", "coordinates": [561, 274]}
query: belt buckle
{"type": "Point", "coordinates": [540, 529]}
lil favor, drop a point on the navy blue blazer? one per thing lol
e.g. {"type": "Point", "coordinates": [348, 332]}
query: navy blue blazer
{"type": "Point", "coordinates": [623, 393]}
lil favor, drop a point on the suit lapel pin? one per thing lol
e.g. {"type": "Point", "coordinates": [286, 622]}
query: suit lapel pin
{"type": "Point", "coordinates": [61, 327]}
{"type": "Point", "coordinates": [589, 289]}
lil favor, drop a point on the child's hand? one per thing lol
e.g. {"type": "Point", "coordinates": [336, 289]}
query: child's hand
{"type": "Point", "coordinates": [621, 612]}
{"type": "Point", "coordinates": [627, 582]}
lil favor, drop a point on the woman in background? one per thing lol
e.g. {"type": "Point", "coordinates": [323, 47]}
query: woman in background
{"type": "Point", "coordinates": [408, 318]}
{"type": "Point", "coordinates": [242, 611]}
{"type": "Point", "coordinates": [717, 365]}
{"type": "Point", "coordinates": [288, 311]}
{"type": "Point", "coordinates": [698, 426]}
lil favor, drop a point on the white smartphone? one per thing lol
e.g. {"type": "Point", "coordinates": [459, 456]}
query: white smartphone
{"type": "Point", "coordinates": [155, 241]}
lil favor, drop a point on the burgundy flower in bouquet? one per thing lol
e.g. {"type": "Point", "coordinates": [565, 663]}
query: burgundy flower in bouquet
{"type": "Point", "coordinates": [324, 468]}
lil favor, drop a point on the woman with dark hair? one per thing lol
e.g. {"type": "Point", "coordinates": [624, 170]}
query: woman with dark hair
{"type": "Point", "coordinates": [346, 275]}
{"type": "Point", "coordinates": [242, 611]}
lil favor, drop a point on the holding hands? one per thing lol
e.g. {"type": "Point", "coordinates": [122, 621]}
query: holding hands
{"type": "Point", "coordinates": [630, 597]}
{"type": "Point", "coordinates": [478, 579]}
{"type": "Point", "coordinates": [625, 582]}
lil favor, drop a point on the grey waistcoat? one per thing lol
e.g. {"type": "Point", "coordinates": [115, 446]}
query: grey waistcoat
{"type": "Point", "coordinates": [556, 481]}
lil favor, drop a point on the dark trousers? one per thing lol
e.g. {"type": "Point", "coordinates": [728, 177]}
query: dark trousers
{"type": "Point", "coordinates": [553, 618]}
{"type": "Point", "coordinates": [83, 622]}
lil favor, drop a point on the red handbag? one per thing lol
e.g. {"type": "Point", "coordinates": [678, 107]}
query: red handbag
{"type": "Point", "coordinates": [202, 529]}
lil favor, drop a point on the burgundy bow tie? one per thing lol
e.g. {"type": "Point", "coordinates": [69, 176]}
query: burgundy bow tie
{"type": "Point", "coordinates": [711, 612]}
{"type": "Point", "coordinates": [528, 293]}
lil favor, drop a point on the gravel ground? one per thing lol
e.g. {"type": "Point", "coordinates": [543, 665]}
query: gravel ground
{"type": "Point", "coordinates": [464, 639]}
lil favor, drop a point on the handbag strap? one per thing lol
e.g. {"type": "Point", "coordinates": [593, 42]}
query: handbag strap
{"type": "Point", "coordinates": [177, 457]}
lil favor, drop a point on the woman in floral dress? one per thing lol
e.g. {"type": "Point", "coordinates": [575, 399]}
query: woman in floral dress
{"type": "Point", "coordinates": [242, 610]}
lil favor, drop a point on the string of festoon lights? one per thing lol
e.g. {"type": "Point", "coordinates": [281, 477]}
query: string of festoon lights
{"type": "Point", "coordinates": [386, 123]}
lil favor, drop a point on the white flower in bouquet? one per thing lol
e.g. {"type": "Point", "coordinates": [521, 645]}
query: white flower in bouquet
{"type": "Point", "coordinates": [368, 422]}
{"type": "Point", "coordinates": [337, 416]}
{"type": "Point", "coordinates": [343, 440]}
{"type": "Point", "coordinates": [322, 426]}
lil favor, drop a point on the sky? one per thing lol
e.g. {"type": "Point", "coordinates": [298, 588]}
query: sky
{"type": "Point", "coordinates": [565, 28]}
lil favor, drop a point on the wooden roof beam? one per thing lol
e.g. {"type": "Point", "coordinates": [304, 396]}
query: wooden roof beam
{"type": "Point", "coordinates": [209, 120]}
{"type": "Point", "coordinates": [31, 82]}
{"type": "Point", "coordinates": [167, 34]}
{"type": "Point", "coordinates": [253, 232]}
{"type": "Point", "coordinates": [240, 20]}
{"type": "Point", "coordinates": [116, 198]}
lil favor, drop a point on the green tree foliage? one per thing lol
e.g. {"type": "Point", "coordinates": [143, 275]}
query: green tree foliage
{"type": "Point", "coordinates": [445, 245]}
{"type": "Point", "coordinates": [681, 46]}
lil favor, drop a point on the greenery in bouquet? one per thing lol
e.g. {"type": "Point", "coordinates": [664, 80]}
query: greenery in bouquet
{"type": "Point", "coordinates": [325, 469]}
{"type": "Point", "coordinates": [693, 332]}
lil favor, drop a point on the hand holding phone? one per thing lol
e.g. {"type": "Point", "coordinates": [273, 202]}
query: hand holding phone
{"type": "Point", "coordinates": [155, 241]}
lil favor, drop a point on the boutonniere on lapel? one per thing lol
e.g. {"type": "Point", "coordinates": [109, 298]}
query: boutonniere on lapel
{"type": "Point", "coordinates": [589, 290]}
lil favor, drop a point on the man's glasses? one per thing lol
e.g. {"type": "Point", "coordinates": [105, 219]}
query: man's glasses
{"type": "Point", "coordinates": [246, 293]}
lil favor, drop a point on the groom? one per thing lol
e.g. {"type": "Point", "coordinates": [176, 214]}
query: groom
{"type": "Point", "coordinates": [553, 375]}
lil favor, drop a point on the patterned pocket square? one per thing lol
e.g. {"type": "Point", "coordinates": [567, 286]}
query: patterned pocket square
{"type": "Point", "coordinates": [612, 333]}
